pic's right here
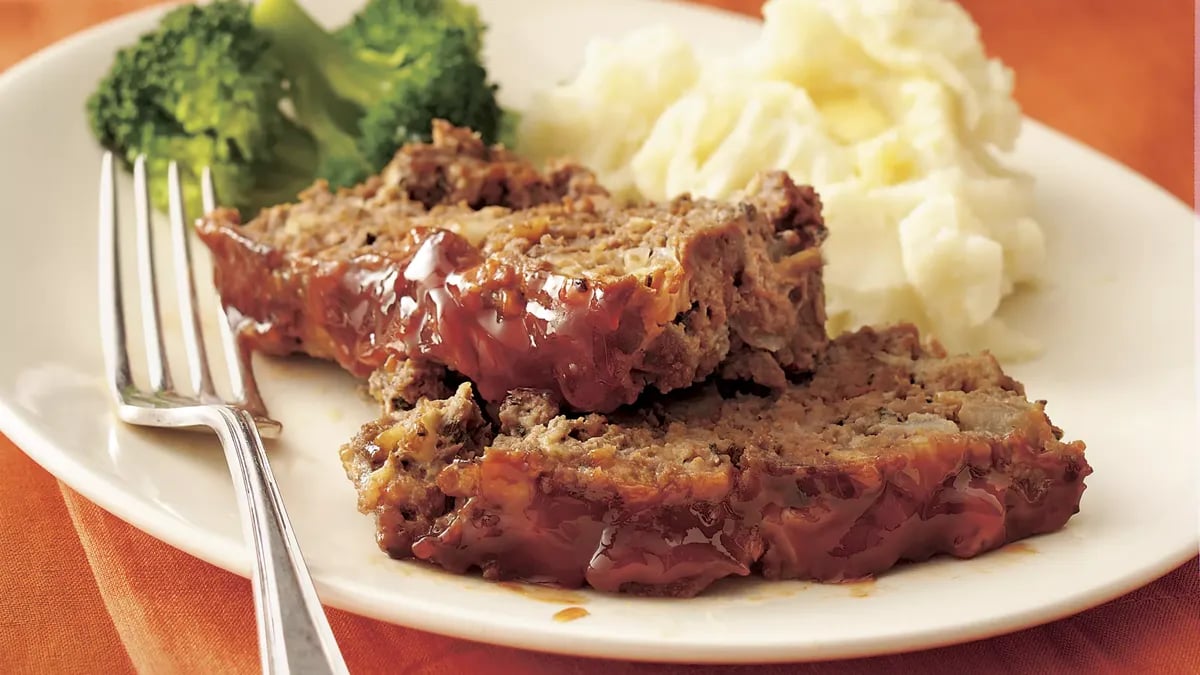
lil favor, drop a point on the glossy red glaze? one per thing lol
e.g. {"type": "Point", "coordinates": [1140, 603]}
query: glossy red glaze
{"type": "Point", "coordinates": [501, 327]}
{"type": "Point", "coordinates": [794, 522]}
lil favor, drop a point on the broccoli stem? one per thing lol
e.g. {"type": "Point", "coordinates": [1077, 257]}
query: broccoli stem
{"type": "Point", "coordinates": [331, 120]}
{"type": "Point", "coordinates": [296, 150]}
{"type": "Point", "coordinates": [300, 39]}
{"type": "Point", "coordinates": [284, 175]}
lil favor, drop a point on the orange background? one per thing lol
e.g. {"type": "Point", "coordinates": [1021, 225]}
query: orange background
{"type": "Point", "coordinates": [82, 592]}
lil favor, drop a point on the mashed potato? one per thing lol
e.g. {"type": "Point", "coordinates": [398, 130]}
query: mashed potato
{"type": "Point", "coordinates": [603, 116]}
{"type": "Point", "coordinates": [890, 108]}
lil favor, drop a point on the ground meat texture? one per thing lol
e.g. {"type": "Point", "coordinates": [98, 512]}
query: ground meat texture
{"type": "Point", "coordinates": [525, 409]}
{"type": "Point", "coordinates": [890, 451]}
{"type": "Point", "coordinates": [543, 284]}
{"type": "Point", "coordinates": [394, 462]}
{"type": "Point", "coordinates": [400, 382]}
{"type": "Point", "coordinates": [458, 168]}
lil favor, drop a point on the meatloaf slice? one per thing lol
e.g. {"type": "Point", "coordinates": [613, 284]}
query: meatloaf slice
{"type": "Point", "coordinates": [892, 451]}
{"type": "Point", "coordinates": [591, 301]}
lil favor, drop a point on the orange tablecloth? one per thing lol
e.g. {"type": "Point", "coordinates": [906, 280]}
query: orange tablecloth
{"type": "Point", "coordinates": [85, 593]}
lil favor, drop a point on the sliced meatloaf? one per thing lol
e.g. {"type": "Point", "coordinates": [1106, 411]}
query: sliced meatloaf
{"type": "Point", "coordinates": [464, 258]}
{"type": "Point", "coordinates": [891, 451]}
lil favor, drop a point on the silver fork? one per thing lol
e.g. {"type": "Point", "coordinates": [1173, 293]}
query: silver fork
{"type": "Point", "coordinates": [293, 633]}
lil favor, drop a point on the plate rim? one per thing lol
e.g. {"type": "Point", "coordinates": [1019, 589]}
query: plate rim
{"type": "Point", "coordinates": [109, 495]}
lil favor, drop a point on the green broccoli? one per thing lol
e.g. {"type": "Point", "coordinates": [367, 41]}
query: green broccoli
{"type": "Point", "coordinates": [430, 69]}
{"type": "Point", "coordinates": [381, 25]}
{"type": "Point", "coordinates": [204, 89]}
{"type": "Point", "coordinates": [438, 80]}
{"type": "Point", "coordinates": [272, 101]}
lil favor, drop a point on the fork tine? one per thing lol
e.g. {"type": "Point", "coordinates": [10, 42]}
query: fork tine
{"type": "Point", "coordinates": [226, 321]}
{"type": "Point", "coordinates": [193, 334]}
{"type": "Point", "coordinates": [241, 376]}
{"type": "Point", "coordinates": [156, 355]}
{"type": "Point", "coordinates": [112, 307]}
{"type": "Point", "coordinates": [208, 192]}
{"type": "Point", "coordinates": [242, 385]}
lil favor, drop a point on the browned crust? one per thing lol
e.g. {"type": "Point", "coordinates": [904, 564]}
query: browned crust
{"type": "Point", "coordinates": [891, 452]}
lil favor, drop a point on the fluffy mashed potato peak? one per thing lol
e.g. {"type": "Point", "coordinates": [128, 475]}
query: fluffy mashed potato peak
{"type": "Point", "coordinates": [714, 140]}
{"type": "Point", "coordinates": [932, 40]}
{"type": "Point", "coordinates": [604, 115]}
{"type": "Point", "coordinates": [890, 108]}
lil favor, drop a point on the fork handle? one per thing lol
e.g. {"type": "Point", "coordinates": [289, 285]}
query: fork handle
{"type": "Point", "coordinates": [293, 632]}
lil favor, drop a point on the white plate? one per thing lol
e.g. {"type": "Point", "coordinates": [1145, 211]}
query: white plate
{"type": "Point", "coordinates": [1116, 319]}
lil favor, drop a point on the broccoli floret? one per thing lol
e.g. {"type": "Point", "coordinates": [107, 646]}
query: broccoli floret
{"type": "Point", "coordinates": [381, 25]}
{"type": "Point", "coordinates": [440, 80]}
{"type": "Point", "coordinates": [204, 89]}
{"type": "Point", "coordinates": [430, 68]}
{"type": "Point", "coordinates": [271, 101]}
